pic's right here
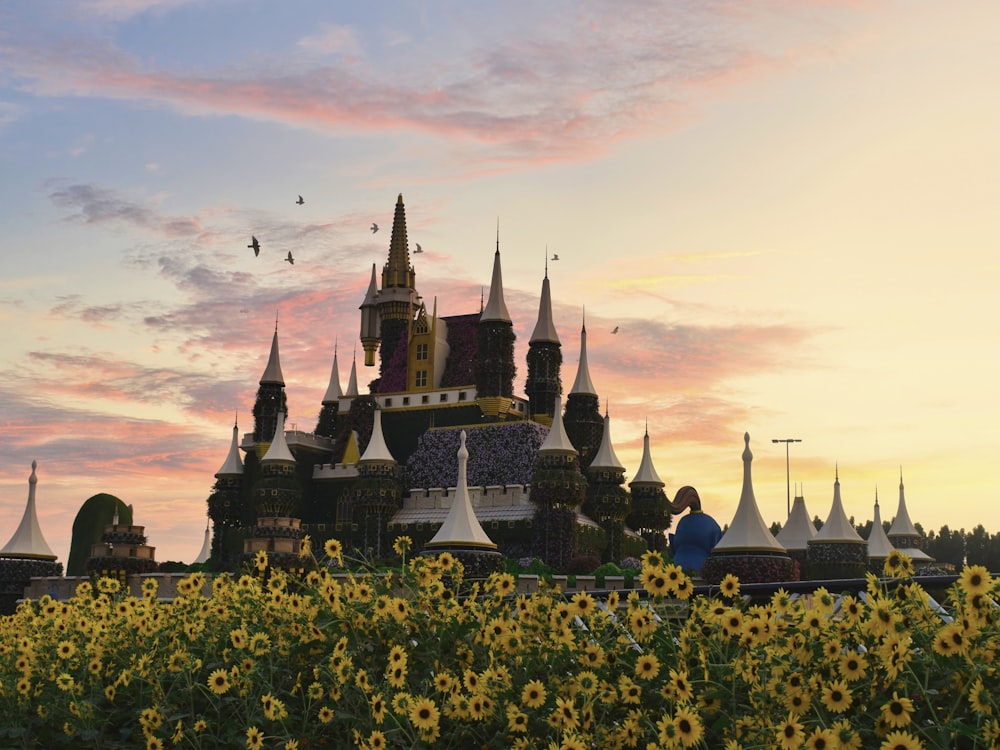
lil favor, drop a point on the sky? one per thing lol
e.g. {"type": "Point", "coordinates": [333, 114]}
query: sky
{"type": "Point", "coordinates": [789, 210]}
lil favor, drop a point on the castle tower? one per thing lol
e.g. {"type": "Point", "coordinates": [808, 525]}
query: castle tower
{"type": "Point", "coordinates": [582, 419]}
{"type": "Point", "coordinates": [558, 487]}
{"type": "Point", "coordinates": [27, 554]}
{"type": "Point", "coordinates": [544, 384]}
{"type": "Point", "coordinates": [797, 531]}
{"type": "Point", "coordinates": [494, 368]}
{"type": "Point", "coordinates": [370, 328]}
{"type": "Point", "coordinates": [879, 546]}
{"type": "Point", "coordinates": [903, 534]}
{"type": "Point", "coordinates": [225, 506]}
{"type": "Point", "coordinates": [650, 515]}
{"type": "Point", "coordinates": [270, 399]}
{"type": "Point", "coordinates": [461, 534]}
{"type": "Point", "coordinates": [748, 549]}
{"type": "Point", "coordinates": [377, 492]}
{"type": "Point", "coordinates": [608, 502]}
{"type": "Point", "coordinates": [837, 550]}
{"type": "Point", "coordinates": [397, 301]}
{"type": "Point", "coordinates": [276, 499]}
{"type": "Point", "coordinates": [326, 425]}
{"type": "Point", "coordinates": [122, 551]}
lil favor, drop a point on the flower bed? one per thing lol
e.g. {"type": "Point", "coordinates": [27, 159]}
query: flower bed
{"type": "Point", "coordinates": [424, 658]}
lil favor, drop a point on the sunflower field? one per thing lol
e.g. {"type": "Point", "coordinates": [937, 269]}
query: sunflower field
{"type": "Point", "coordinates": [423, 658]}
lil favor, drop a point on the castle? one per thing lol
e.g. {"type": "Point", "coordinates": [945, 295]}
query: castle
{"type": "Point", "coordinates": [543, 480]}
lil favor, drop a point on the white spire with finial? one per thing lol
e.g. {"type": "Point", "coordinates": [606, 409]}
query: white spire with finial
{"type": "Point", "coordinates": [272, 373]}
{"type": "Point", "coordinates": [798, 529]}
{"type": "Point", "coordinates": [747, 531]}
{"type": "Point", "coordinates": [27, 540]}
{"type": "Point", "coordinates": [557, 441]}
{"type": "Point", "coordinates": [461, 527]}
{"type": "Point", "coordinates": [233, 464]}
{"type": "Point", "coordinates": [206, 546]}
{"type": "Point", "coordinates": [837, 527]}
{"type": "Point", "coordinates": [605, 457]}
{"type": "Point", "coordinates": [377, 450]}
{"type": "Point", "coordinates": [496, 309]}
{"type": "Point", "coordinates": [545, 329]}
{"type": "Point", "coordinates": [352, 382]}
{"type": "Point", "coordinates": [583, 384]}
{"type": "Point", "coordinates": [278, 450]}
{"type": "Point", "coordinates": [647, 473]}
{"type": "Point", "coordinates": [333, 391]}
{"type": "Point", "coordinates": [879, 546]}
{"type": "Point", "coordinates": [901, 524]}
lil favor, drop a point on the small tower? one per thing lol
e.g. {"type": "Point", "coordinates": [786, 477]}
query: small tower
{"type": "Point", "coordinates": [582, 419]}
{"type": "Point", "coordinates": [370, 326]}
{"type": "Point", "coordinates": [558, 487]}
{"type": "Point", "coordinates": [277, 496]}
{"type": "Point", "coordinates": [327, 423]}
{"type": "Point", "coordinates": [461, 534]}
{"type": "Point", "coordinates": [270, 399]}
{"type": "Point", "coordinates": [494, 368]}
{"type": "Point", "coordinates": [650, 515]}
{"type": "Point", "coordinates": [225, 506]}
{"type": "Point", "coordinates": [26, 555]}
{"type": "Point", "coordinates": [748, 549]}
{"type": "Point", "coordinates": [837, 550]}
{"type": "Point", "coordinates": [879, 546]}
{"type": "Point", "coordinates": [122, 551]}
{"type": "Point", "coordinates": [797, 531]}
{"type": "Point", "coordinates": [904, 535]}
{"type": "Point", "coordinates": [544, 384]}
{"type": "Point", "coordinates": [397, 300]}
{"type": "Point", "coordinates": [608, 502]}
{"type": "Point", "coordinates": [377, 492]}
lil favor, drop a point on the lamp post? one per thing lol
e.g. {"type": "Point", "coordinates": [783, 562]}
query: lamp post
{"type": "Point", "coordinates": [788, 477]}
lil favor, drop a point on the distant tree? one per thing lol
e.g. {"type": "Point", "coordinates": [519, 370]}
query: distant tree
{"type": "Point", "coordinates": [864, 530]}
{"type": "Point", "coordinates": [977, 545]}
{"type": "Point", "coordinates": [775, 528]}
{"type": "Point", "coordinates": [947, 546]}
{"type": "Point", "coordinates": [992, 559]}
{"type": "Point", "coordinates": [817, 522]}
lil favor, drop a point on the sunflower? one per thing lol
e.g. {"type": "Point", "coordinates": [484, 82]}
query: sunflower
{"type": "Point", "coordinates": [980, 698]}
{"type": "Point", "coordinates": [66, 649]}
{"type": "Point", "coordinates": [424, 714]}
{"type": "Point", "coordinates": [218, 681]}
{"type": "Point", "coordinates": [680, 686]}
{"type": "Point", "coordinates": [896, 711]}
{"type": "Point", "coordinates": [396, 674]}
{"type": "Point", "coordinates": [652, 559]}
{"type": "Point", "coordinates": [950, 640]}
{"type": "Point", "coordinates": [571, 742]}
{"type": "Point", "coordinates": [517, 720]}
{"type": "Point", "coordinates": [729, 586]}
{"type": "Point", "coordinates": [975, 579]}
{"type": "Point", "coordinates": [255, 739]}
{"type": "Point", "coordinates": [654, 581]}
{"type": "Point", "coordinates": [402, 545]}
{"type": "Point", "coordinates": [260, 560]}
{"type": "Point", "coordinates": [325, 714]}
{"type": "Point", "coordinates": [533, 694]}
{"type": "Point", "coordinates": [565, 715]}
{"type": "Point", "coordinates": [821, 739]}
{"type": "Point", "coordinates": [647, 667]}
{"type": "Point", "coordinates": [901, 741]}
{"type": "Point", "coordinates": [790, 734]}
{"type": "Point", "coordinates": [688, 726]}
{"type": "Point", "coordinates": [898, 565]}
{"type": "Point", "coordinates": [376, 740]}
{"type": "Point", "coordinates": [154, 743]}
{"type": "Point", "coordinates": [853, 666]}
{"type": "Point", "coordinates": [583, 603]}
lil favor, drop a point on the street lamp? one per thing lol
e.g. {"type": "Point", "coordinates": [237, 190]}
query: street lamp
{"type": "Point", "coordinates": [788, 480]}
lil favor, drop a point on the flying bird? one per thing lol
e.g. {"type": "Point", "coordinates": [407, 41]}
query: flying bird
{"type": "Point", "coordinates": [290, 259]}
{"type": "Point", "coordinates": [419, 249]}
{"type": "Point", "coordinates": [555, 256]}
{"type": "Point", "coordinates": [255, 245]}
{"type": "Point", "coordinates": [613, 330]}
{"type": "Point", "coordinates": [374, 228]}
{"type": "Point", "coordinates": [300, 201]}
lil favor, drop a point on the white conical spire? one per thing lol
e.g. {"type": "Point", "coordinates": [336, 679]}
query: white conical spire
{"type": "Point", "coordinates": [233, 464]}
{"type": "Point", "coordinates": [206, 546]}
{"type": "Point", "coordinates": [798, 529]}
{"type": "Point", "coordinates": [647, 473]}
{"type": "Point", "coordinates": [901, 524]}
{"type": "Point", "coordinates": [333, 391]}
{"type": "Point", "coordinates": [879, 546]}
{"type": "Point", "coordinates": [272, 373]}
{"type": "Point", "coordinates": [461, 527]}
{"type": "Point", "coordinates": [377, 450]}
{"type": "Point", "coordinates": [837, 527]}
{"type": "Point", "coordinates": [583, 384]}
{"type": "Point", "coordinates": [748, 530]}
{"type": "Point", "coordinates": [495, 307]}
{"type": "Point", "coordinates": [605, 457]}
{"type": "Point", "coordinates": [557, 441]}
{"type": "Point", "coordinates": [278, 449]}
{"type": "Point", "coordinates": [371, 295]}
{"type": "Point", "coordinates": [27, 540]}
{"type": "Point", "coordinates": [545, 329]}
{"type": "Point", "coordinates": [352, 382]}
